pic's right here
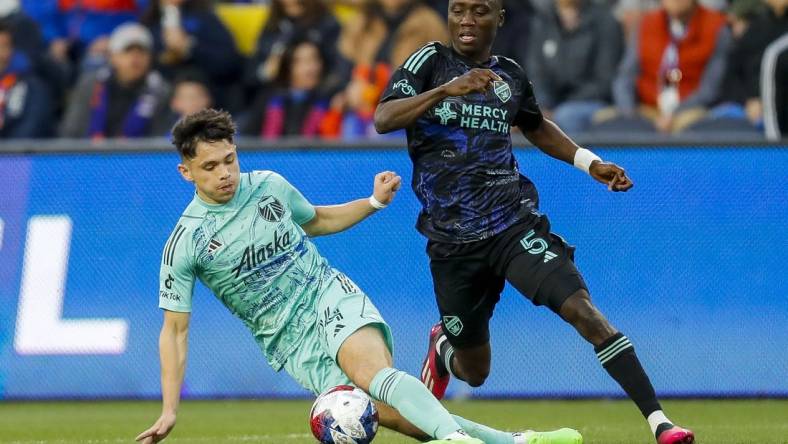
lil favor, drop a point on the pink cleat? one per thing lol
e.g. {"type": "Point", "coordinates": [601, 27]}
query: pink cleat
{"type": "Point", "coordinates": [433, 372]}
{"type": "Point", "coordinates": [676, 435]}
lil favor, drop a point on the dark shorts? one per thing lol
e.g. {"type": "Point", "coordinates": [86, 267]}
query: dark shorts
{"type": "Point", "coordinates": [469, 278]}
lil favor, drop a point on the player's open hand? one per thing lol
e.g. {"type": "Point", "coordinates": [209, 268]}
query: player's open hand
{"type": "Point", "coordinates": [158, 431]}
{"type": "Point", "coordinates": [475, 80]}
{"type": "Point", "coordinates": [611, 175]}
{"type": "Point", "coordinates": [387, 184]}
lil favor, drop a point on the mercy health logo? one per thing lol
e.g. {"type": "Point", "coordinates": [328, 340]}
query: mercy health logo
{"type": "Point", "coordinates": [41, 328]}
{"type": "Point", "coordinates": [481, 117]}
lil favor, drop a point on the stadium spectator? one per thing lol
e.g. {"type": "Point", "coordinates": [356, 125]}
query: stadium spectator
{"type": "Point", "coordinates": [294, 105]}
{"type": "Point", "coordinates": [121, 100]}
{"type": "Point", "coordinates": [575, 48]}
{"type": "Point", "coordinates": [188, 34]}
{"type": "Point", "coordinates": [739, 92]}
{"type": "Point", "coordinates": [25, 105]}
{"type": "Point", "coordinates": [74, 29]}
{"type": "Point", "coordinates": [672, 69]}
{"type": "Point", "coordinates": [190, 93]}
{"type": "Point", "coordinates": [51, 74]}
{"type": "Point", "coordinates": [288, 21]}
{"type": "Point", "coordinates": [378, 40]}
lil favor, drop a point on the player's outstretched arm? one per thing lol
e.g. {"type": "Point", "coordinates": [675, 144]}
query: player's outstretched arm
{"type": "Point", "coordinates": [549, 138]}
{"type": "Point", "coordinates": [335, 218]}
{"type": "Point", "coordinates": [402, 113]}
{"type": "Point", "coordinates": [173, 348]}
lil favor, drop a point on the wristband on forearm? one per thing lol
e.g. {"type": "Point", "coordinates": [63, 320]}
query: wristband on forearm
{"type": "Point", "coordinates": [376, 204]}
{"type": "Point", "coordinates": [583, 159]}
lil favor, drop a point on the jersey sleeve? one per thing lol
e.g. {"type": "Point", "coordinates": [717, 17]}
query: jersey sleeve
{"type": "Point", "coordinates": [529, 116]}
{"type": "Point", "coordinates": [176, 278]}
{"type": "Point", "coordinates": [412, 78]}
{"type": "Point", "coordinates": [303, 210]}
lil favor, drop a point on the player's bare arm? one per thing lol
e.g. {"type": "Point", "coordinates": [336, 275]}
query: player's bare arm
{"type": "Point", "coordinates": [402, 113]}
{"type": "Point", "coordinates": [173, 348]}
{"type": "Point", "coordinates": [549, 138]}
{"type": "Point", "coordinates": [335, 218]}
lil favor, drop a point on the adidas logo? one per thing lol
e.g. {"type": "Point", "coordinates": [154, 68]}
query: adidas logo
{"type": "Point", "coordinates": [214, 245]}
{"type": "Point", "coordinates": [548, 256]}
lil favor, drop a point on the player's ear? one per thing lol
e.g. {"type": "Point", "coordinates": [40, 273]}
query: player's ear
{"type": "Point", "coordinates": [185, 173]}
{"type": "Point", "coordinates": [501, 17]}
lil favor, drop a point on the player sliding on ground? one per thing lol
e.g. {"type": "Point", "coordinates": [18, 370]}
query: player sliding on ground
{"type": "Point", "coordinates": [458, 104]}
{"type": "Point", "coordinates": [246, 237]}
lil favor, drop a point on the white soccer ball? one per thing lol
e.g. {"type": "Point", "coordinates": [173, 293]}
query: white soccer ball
{"type": "Point", "coordinates": [344, 415]}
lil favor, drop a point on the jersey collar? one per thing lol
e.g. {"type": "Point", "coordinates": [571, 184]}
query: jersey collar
{"type": "Point", "coordinates": [489, 64]}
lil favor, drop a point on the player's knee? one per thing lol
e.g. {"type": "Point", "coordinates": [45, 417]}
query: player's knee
{"type": "Point", "coordinates": [476, 375]}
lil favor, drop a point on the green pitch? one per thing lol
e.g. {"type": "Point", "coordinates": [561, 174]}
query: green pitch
{"type": "Point", "coordinates": [227, 422]}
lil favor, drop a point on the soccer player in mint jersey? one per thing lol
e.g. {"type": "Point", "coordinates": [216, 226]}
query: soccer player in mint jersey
{"type": "Point", "coordinates": [458, 104]}
{"type": "Point", "coordinates": [246, 236]}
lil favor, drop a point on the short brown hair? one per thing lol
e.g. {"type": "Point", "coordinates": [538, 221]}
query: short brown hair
{"type": "Point", "coordinates": [208, 125]}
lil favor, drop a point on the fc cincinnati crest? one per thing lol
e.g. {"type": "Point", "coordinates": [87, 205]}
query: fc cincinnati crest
{"type": "Point", "coordinates": [271, 209]}
{"type": "Point", "coordinates": [502, 90]}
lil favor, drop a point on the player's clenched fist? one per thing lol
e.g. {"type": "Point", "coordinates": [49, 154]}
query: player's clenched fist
{"type": "Point", "coordinates": [475, 80]}
{"type": "Point", "coordinates": [387, 184]}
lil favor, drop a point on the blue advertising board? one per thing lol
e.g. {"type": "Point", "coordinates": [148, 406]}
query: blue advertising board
{"type": "Point", "coordinates": [690, 265]}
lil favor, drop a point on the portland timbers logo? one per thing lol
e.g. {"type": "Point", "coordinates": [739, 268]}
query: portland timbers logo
{"type": "Point", "coordinates": [271, 209]}
{"type": "Point", "coordinates": [453, 324]}
{"type": "Point", "coordinates": [502, 90]}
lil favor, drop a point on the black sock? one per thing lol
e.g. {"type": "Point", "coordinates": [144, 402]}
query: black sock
{"type": "Point", "coordinates": [617, 356]}
{"type": "Point", "coordinates": [445, 355]}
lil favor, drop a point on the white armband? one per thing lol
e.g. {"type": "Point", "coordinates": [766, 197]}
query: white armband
{"type": "Point", "coordinates": [376, 204]}
{"type": "Point", "coordinates": [583, 159]}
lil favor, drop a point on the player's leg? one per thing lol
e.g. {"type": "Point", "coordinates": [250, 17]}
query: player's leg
{"type": "Point", "coordinates": [365, 358]}
{"type": "Point", "coordinates": [466, 291]}
{"type": "Point", "coordinates": [617, 355]}
{"type": "Point", "coordinates": [406, 406]}
{"type": "Point", "coordinates": [541, 267]}
{"type": "Point", "coordinates": [360, 342]}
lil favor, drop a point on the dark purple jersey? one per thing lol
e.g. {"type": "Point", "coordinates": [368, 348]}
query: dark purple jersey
{"type": "Point", "coordinates": [464, 172]}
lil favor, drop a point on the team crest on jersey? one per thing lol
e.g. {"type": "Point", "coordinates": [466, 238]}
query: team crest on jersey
{"type": "Point", "coordinates": [453, 324]}
{"type": "Point", "coordinates": [502, 90]}
{"type": "Point", "coordinates": [271, 209]}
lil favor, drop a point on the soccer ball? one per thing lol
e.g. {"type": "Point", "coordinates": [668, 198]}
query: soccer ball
{"type": "Point", "coordinates": [344, 415]}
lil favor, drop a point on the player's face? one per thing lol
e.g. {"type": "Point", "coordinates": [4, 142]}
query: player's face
{"type": "Point", "coordinates": [214, 171]}
{"type": "Point", "coordinates": [473, 25]}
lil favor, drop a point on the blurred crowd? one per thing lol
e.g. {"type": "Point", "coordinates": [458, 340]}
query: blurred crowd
{"type": "Point", "coordinates": [130, 68]}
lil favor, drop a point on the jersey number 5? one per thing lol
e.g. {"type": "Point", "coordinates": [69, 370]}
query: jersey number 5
{"type": "Point", "coordinates": [536, 245]}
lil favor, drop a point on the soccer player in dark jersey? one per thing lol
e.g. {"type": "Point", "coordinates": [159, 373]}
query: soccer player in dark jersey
{"type": "Point", "coordinates": [458, 104]}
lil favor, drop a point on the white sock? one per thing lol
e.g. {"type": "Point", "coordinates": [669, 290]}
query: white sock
{"type": "Point", "coordinates": [655, 419]}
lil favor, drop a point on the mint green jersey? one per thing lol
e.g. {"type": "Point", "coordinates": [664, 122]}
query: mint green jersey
{"type": "Point", "coordinates": [253, 255]}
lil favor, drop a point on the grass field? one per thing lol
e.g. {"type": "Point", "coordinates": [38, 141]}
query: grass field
{"type": "Point", "coordinates": [225, 422]}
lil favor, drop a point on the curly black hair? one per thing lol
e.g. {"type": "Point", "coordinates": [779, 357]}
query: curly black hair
{"type": "Point", "coordinates": [208, 125]}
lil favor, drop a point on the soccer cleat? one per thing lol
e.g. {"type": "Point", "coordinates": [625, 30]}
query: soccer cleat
{"type": "Point", "coordinates": [560, 436]}
{"type": "Point", "coordinates": [676, 435]}
{"type": "Point", "coordinates": [433, 372]}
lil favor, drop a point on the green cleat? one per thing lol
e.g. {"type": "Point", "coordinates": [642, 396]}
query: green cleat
{"type": "Point", "coordinates": [560, 436]}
